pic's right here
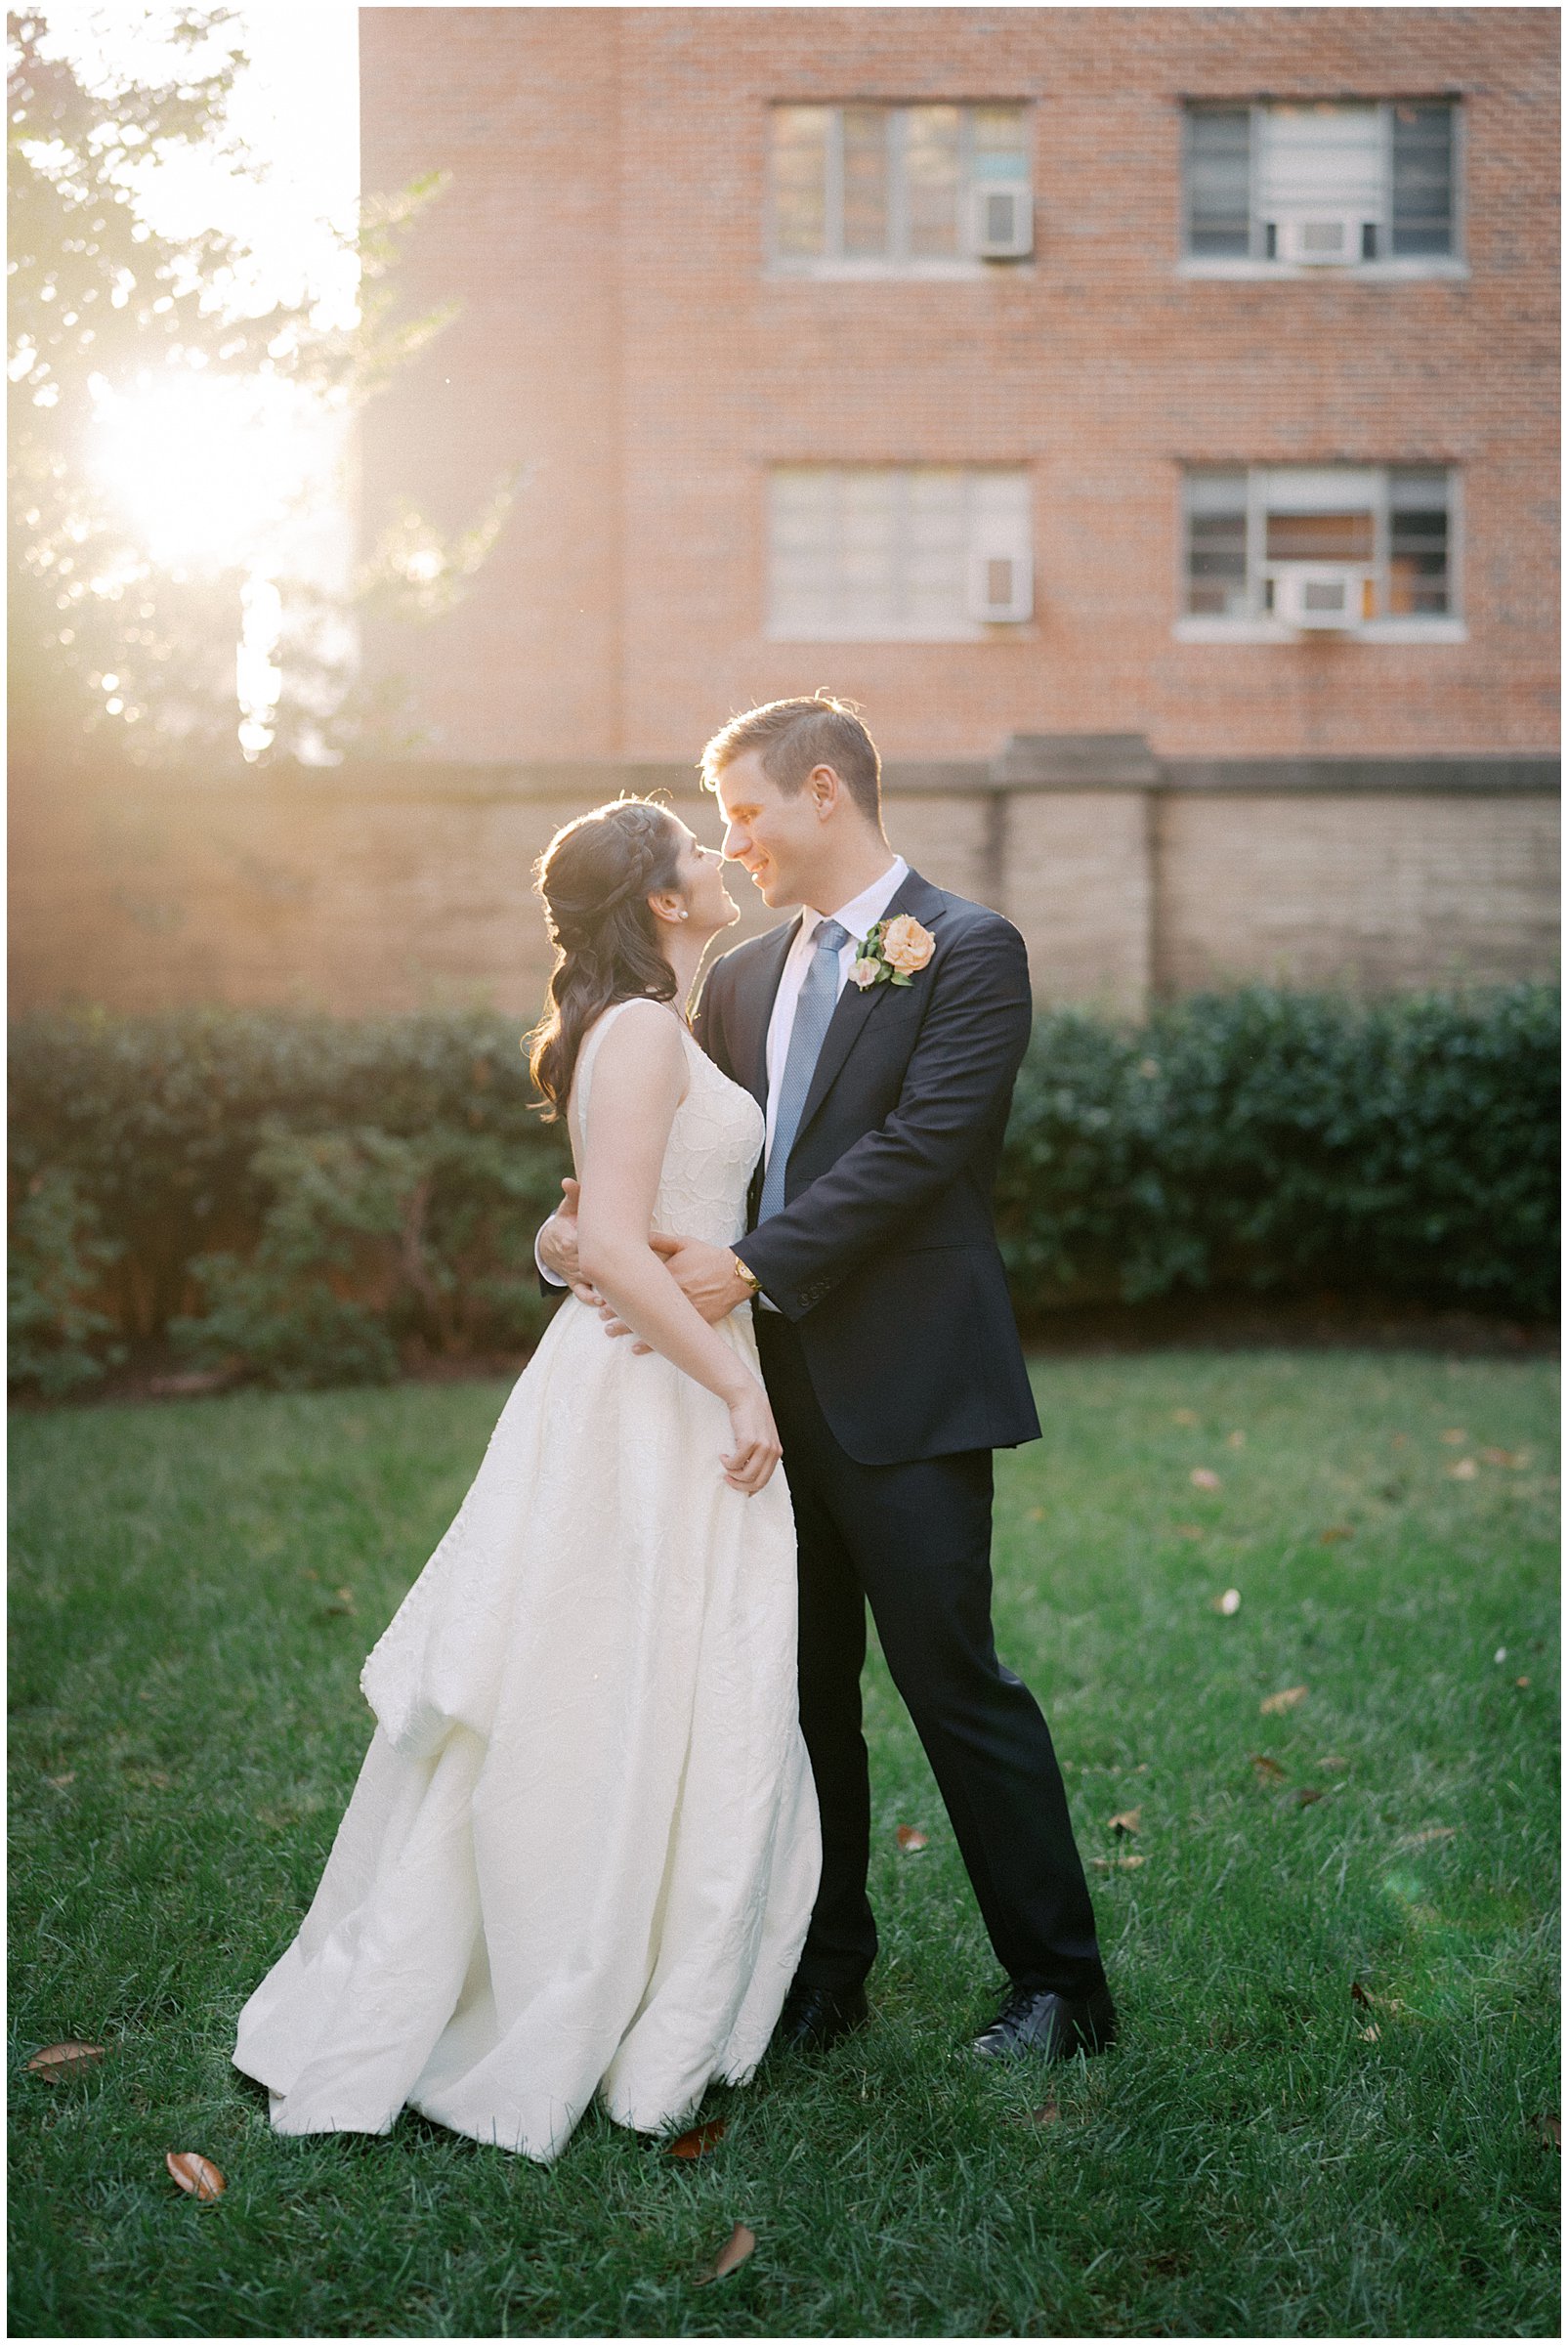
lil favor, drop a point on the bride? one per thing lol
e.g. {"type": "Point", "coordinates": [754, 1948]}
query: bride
{"type": "Point", "coordinates": [582, 1850]}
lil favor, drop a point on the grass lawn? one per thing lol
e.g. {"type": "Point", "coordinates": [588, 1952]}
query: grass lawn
{"type": "Point", "coordinates": [195, 1586]}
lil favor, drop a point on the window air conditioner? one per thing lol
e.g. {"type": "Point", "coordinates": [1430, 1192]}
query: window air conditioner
{"type": "Point", "coordinates": [1319, 594]}
{"type": "Point", "coordinates": [1001, 220]}
{"type": "Point", "coordinates": [1002, 584]}
{"type": "Point", "coordinates": [1319, 239]}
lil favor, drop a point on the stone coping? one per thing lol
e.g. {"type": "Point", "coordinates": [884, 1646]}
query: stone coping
{"type": "Point", "coordinates": [1114, 762]}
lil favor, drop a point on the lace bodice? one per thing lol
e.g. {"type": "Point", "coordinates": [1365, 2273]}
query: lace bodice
{"type": "Point", "coordinates": [714, 1141]}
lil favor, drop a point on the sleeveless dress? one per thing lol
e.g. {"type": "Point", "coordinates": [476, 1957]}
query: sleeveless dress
{"type": "Point", "coordinates": [583, 1847]}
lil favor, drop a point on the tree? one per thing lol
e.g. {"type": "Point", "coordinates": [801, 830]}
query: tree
{"type": "Point", "coordinates": [114, 643]}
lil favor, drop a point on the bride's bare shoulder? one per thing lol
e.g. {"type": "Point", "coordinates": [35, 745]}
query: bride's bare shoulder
{"type": "Point", "coordinates": [639, 1043]}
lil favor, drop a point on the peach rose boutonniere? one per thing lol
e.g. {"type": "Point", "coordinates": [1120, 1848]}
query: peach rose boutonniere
{"type": "Point", "coordinates": [893, 953]}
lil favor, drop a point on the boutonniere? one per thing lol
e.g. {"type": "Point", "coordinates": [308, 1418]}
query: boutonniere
{"type": "Point", "coordinates": [894, 950]}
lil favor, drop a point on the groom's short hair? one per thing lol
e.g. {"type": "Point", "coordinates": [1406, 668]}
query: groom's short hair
{"type": "Point", "coordinates": [792, 738]}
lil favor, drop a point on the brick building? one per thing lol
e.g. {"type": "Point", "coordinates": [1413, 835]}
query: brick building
{"type": "Point", "coordinates": [1148, 416]}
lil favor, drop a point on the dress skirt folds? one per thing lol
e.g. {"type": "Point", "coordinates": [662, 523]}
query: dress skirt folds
{"type": "Point", "coordinates": [582, 1853]}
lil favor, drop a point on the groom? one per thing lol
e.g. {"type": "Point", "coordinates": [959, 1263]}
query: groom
{"type": "Point", "coordinates": [881, 1032]}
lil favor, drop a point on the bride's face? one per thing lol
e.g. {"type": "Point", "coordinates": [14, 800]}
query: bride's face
{"type": "Point", "coordinates": [710, 905]}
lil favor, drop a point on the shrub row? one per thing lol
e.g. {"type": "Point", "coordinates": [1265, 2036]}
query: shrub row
{"type": "Point", "coordinates": [319, 1200]}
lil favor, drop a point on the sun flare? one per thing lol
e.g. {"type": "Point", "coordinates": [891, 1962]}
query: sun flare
{"type": "Point", "coordinates": [207, 470]}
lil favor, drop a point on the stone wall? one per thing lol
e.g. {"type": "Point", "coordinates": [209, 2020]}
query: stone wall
{"type": "Point", "coordinates": [382, 887]}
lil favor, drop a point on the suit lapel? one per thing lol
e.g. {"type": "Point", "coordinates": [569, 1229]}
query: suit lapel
{"type": "Point", "coordinates": [760, 995]}
{"type": "Point", "coordinates": [858, 1004]}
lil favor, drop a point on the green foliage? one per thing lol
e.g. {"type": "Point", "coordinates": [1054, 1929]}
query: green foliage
{"type": "Point", "coordinates": [1269, 1141]}
{"type": "Point", "coordinates": [306, 1195]}
{"type": "Point", "coordinates": [313, 1198]}
{"type": "Point", "coordinates": [56, 1258]}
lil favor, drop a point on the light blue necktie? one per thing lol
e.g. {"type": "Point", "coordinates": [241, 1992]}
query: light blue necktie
{"type": "Point", "coordinates": [819, 998]}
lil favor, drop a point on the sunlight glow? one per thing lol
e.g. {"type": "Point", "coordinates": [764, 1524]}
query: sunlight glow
{"type": "Point", "coordinates": [258, 679]}
{"type": "Point", "coordinates": [206, 469]}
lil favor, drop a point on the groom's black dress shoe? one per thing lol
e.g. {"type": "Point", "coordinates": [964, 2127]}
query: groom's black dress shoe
{"type": "Point", "coordinates": [814, 2018]}
{"type": "Point", "coordinates": [1050, 2025]}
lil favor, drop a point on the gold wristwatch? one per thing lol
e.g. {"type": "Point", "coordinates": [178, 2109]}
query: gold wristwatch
{"type": "Point", "coordinates": [753, 1284]}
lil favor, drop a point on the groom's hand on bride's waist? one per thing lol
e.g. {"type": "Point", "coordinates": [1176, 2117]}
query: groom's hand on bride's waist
{"type": "Point", "coordinates": [706, 1275]}
{"type": "Point", "coordinates": [555, 1249]}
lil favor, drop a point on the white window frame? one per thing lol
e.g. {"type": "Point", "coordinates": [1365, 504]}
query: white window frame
{"type": "Point", "coordinates": [963, 264]}
{"type": "Point", "coordinates": [984, 537]}
{"type": "Point", "coordinates": [1258, 625]}
{"type": "Point", "coordinates": [1257, 266]}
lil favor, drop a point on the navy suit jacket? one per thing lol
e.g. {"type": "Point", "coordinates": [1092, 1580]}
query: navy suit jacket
{"type": "Point", "coordinates": [884, 1255]}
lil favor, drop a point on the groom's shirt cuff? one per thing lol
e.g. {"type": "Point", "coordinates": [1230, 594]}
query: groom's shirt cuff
{"type": "Point", "coordinates": [549, 1277]}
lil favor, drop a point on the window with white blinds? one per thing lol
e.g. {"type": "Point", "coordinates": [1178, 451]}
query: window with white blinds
{"type": "Point", "coordinates": [1323, 184]}
{"type": "Point", "coordinates": [907, 187]}
{"type": "Point", "coordinates": [897, 552]}
{"type": "Point", "coordinates": [1382, 533]}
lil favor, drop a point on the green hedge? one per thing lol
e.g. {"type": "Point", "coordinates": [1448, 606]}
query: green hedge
{"type": "Point", "coordinates": [320, 1201]}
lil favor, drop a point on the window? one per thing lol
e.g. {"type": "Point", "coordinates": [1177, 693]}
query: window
{"type": "Point", "coordinates": [1344, 545]}
{"type": "Point", "coordinates": [1321, 185]}
{"type": "Point", "coordinates": [911, 187]}
{"type": "Point", "coordinates": [887, 553]}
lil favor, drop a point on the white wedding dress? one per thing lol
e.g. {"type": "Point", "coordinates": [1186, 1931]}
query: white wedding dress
{"type": "Point", "coordinates": [582, 1850]}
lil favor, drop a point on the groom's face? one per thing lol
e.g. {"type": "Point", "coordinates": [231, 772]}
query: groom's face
{"type": "Point", "coordinates": [777, 838]}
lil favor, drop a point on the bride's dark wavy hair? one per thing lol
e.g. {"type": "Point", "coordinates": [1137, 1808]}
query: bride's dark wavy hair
{"type": "Point", "coordinates": [595, 877]}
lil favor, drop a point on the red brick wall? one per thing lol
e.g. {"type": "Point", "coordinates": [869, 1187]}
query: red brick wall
{"type": "Point", "coordinates": [604, 232]}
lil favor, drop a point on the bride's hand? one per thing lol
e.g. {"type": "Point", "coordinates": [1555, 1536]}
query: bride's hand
{"type": "Point", "coordinates": [757, 1448]}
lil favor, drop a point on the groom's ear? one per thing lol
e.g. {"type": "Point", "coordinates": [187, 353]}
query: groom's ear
{"type": "Point", "coordinates": [825, 786]}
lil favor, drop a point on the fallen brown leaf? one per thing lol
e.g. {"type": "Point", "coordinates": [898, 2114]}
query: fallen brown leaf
{"type": "Point", "coordinates": [1465, 1470]}
{"type": "Point", "coordinates": [1307, 1795]}
{"type": "Point", "coordinates": [342, 1601]}
{"type": "Point", "coordinates": [1204, 1477]}
{"type": "Point", "coordinates": [1116, 1864]}
{"type": "Point", "coordinates": [1371, 2002]}
{"type": "Point", "coordinates": [65, 2058]}
{"type": "Point", "coordinates": [1455, 1437]}
{"type": "Point", "coordinates": [1047, 2115]}
{"type": "Point", "coordinates": [1236, 1440]}
{"type": "Point", "coordinates": [911, 1838]}
{"type": "Point", "coordinates": [1521, 1680]}
{"type": "Point", "coordinates": [1336, 1530]}
{"type": "Point", "coordinates": [195, 2174]}
{"type": "Point", "coordinates": [1184, 1416]}
{"type": "Point", "coordinates": [730, 2256]}
{"type": "Point", "coordinates": [698, 2141]}
{"type": "Point", "coordinates": [1517, 1459]}
{"type": "Point", "coordinates": [1128, 1820]}
{"type": "Point", "coordinates": [1036, 1513]}
{"type": "Point", "coordinates": [1229, 1602]}
{"type": "Point", "coordinates": [1548, 2125]}
{"type": "Point", "coordinates": [1269, 1771]}
{"type": "Point", "coordinates": [1273, 1703]}
{"type": "Point", "coordinates": [1422, 1840]}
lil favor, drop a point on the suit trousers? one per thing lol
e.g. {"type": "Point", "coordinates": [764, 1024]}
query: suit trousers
{"type": "Point", "coordinates": [913, 1541]}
